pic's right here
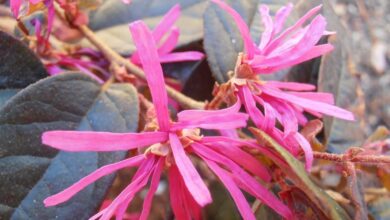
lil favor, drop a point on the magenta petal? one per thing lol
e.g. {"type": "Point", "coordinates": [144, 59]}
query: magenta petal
{"type": "Point", "coordinates": [281, 16]}
{"type": "Point", "coordinates": [191, 177]}
{"type": "Point", "coordinates": [291, 86]}
{"type": "Point", "coordinates": [225, 121]}
{"type": "Point", "coordinates": [306, 149]}
{"type": "Point", "coordinates": [317, 96]}
{"type": "Point", "coordinates": [239, 198]}
{"type": "Point", "coordinates": [242, 158]}
{"type": "Point", "coordinates": [100, 141]}
{"type": "Point", "coordinates": [242, 27]}
{"type": "Point", "coordinates": [228, 118]}
{"type": "Point", "coordinates": [310, 105]}
{"type": "Point", "coordinates": [176, 194]}
{"type": "Point", "coordinates": [188, 115]}
{"type": "Point", "coordinates": [170, 43]}
{"type": "Point", "coordinates": [263, 194]}
{"type": "Point", "coordinates": [166, 22]}
{"type": "Point", "coordinates": [147, 51]}
{"type": "Point", "coordinates": [153, 187]}
{"type": "Point", "coordinates": [181, 57]}
{"type": "Point", "coordinates": [309, 38]}
{"type": "Point", "coordinates": [277, 41]}
{"type": "Point", "coordinates": [68, 193]}
{"type": "Point", "coordinates": [249, 102]}
{"type": "Point", "coordinates": [250, 184]}
{"type": "Point", "coordinates": [118, 206]}
{"type": "Point", "coordinates": [268, 26]}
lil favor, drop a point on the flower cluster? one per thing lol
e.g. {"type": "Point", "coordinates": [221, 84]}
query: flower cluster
{"type": "Point", "coordinates": [168, 145]}
{"type": "Point", "coordinates": [283, 102]}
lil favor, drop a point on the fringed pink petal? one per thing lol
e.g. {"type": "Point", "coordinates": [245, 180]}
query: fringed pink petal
{"type": "Point", "coordinates": [270, 114]}
{"type": "Point", "coordinates": [245, 179]}
{"type": "Point", "coordinates": [224, 121]}
{"type": "Point", "coordinates": [279, 40]}
{"type": "Point", "coordinates": [100, 141]}
{"type": "Point", "coordinates": [194, 208]}
{"type": "Point", "coordinates": [166, 23]}
{"type": "Point", "coordinates": [191, 177]}
{"type": "Point", "coordinates": [243, 159]}
{"type": "Point", "coordinates": [188, 115]}
{"type": "Point", "coordinates": [147, 51]}
{"type": "Point", "coordinates": [249, 102]}
{"type": "Point", "coordinates": [267, 34]}
{"type": "Point", "coordinates": [118, 206]}
{"type": "Point", "coordinates": [152, 190]}
{"type": "Point", "coordinates": [170, 43]}
{"type": "Point", "coordinates": [181, 57]}
{"type": "Point", "coordinates": [294, 86]}
{"type": "Point", "coordinates": [310, 105]}
{"type": "Point", "coordinates": [263, 194]}
{"type": "Point", "coordinates": [314, 52]}
{"type": "Point", "coordinates": [68, 193]}
{"type": "Point", "coordinates": [238, 197]}
{"type": "Point", "coordinates": [242, 27]}
{"type": "Point", "coordinates": [144, 168]}
{"type": "Point", "coordinates": [287, 116]}
{"type": "Point", "coordinates": [308, 40]}
{"type": "Point", "coordinates": [306, 149]}
{"type": "Point", "coordinates": [175, 194]}
{"type": "Point", "coordinates": [317, 96]}
{"type": "Point", "coordinates": [281, 16]}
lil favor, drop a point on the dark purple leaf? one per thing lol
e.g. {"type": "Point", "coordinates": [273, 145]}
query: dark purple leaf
{"type": "Point", "coordinates": [31, 171]}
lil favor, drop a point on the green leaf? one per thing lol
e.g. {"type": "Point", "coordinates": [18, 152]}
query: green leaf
{"type": "Point", "coordinates": [296, 171]}
{"type": "Point", "coordinates": [19, 67]}
{"type": "Point", "coordinates": [31, 171]}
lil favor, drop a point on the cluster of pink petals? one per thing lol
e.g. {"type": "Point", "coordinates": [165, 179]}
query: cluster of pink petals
{"type": "Point", "coordinates": [284, 102]}
{"type": "Point", "coordinates": [86, 60]}
{"type": "Point", "coordinates": [278, 50]}
{"type": "Point", "coordinates": [166, 36]}
{"type": "Point", "coordinates": [235, 168]}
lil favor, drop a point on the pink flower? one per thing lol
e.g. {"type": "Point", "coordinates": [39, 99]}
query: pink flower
{"type": "Point", "coordinates": [86, 60]}
{"type": "Point", "coordinates": [282, 102]}
{"type": "Point", "coordinates": [171, 142]}
{"type": "Point", "coordinates": [166, 36]}
{"type": "Point", "coordinates": [278, 50]}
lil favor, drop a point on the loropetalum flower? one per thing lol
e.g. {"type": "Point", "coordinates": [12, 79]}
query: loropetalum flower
{"type": "Point", "coordinates": [283, 102]}
{"type": "Point", "coordinates": [166, 36]}
{"type": "Point", "coordinates": [169, 145]}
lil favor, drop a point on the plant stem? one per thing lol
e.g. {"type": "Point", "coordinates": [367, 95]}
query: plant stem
{"type": "Point", "coordinates": [342, 158]}
{"type": "Point", "coordinates": [185, 101]}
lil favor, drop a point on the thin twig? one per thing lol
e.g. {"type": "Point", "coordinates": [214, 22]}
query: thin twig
{"type": "Point", "coordinates": [375, 159]}
{"type": "Point", "coordinates": [185, 101]}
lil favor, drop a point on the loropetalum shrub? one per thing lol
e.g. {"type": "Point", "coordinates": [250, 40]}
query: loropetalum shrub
{"type": "Point", "coordinates": [167, 141]}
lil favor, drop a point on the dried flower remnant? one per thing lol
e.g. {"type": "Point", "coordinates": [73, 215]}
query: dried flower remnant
{"type": "Point", "coordinates": [282, 102]}
{"type": "Point", "coordinates": [170, 144]}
